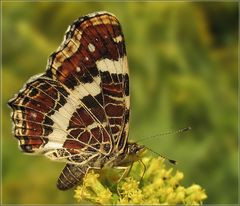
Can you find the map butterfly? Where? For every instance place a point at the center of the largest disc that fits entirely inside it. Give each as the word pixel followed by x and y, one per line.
pixel 78 110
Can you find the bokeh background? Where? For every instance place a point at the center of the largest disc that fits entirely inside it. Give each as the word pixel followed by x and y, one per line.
pixel 183 60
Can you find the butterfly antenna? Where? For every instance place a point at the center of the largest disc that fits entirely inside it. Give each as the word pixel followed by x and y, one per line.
pixel 174 162
pixel 167 133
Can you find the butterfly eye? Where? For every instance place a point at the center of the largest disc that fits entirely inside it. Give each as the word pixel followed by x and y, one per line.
pixel 96 40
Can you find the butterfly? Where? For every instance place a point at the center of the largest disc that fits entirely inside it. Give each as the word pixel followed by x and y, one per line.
pixel 77 111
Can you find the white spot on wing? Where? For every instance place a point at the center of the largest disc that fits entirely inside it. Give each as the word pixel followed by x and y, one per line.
pixel 78 69
pixel 91 47
pixel 118 39
pixel 33 115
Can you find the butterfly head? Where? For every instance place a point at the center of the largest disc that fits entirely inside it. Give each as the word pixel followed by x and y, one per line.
pixel 133 153
pixel 133 149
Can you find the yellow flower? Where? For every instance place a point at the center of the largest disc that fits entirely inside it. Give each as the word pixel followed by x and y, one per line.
pixel 93 190
pixel 159 185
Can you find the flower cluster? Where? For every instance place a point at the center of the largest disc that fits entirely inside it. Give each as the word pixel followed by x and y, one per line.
pixel 158 185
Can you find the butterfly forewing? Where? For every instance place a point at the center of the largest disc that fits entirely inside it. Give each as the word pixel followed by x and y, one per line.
pixel 93 61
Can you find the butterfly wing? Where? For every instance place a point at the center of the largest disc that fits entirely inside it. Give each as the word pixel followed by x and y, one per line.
pixel 78 110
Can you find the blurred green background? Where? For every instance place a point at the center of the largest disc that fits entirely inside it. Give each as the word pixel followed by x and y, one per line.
pixel 183 70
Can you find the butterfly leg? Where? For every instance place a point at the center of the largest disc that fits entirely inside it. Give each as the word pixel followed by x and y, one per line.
pixel 144 169
pixel 119 180
pixel 125 172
